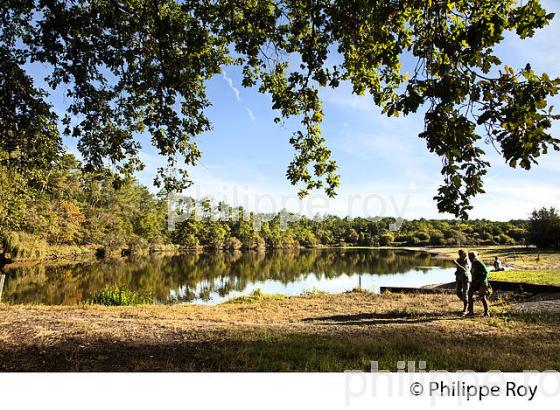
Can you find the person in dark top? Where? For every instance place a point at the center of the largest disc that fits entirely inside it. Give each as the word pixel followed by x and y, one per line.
pixel 479 284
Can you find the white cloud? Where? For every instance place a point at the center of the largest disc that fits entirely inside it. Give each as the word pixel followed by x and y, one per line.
pixel 251 115
pixel 231 86
pixel 238 95
pixel 514 198
pixel 343 97
pixel 365 146
pixel 550 162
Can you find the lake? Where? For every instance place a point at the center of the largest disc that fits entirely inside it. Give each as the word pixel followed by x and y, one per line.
pixel 210 278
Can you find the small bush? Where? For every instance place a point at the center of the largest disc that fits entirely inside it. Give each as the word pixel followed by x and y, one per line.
pixel 386 239
pixel 360 290
pixel 120 297
pixel 424 237
pixel 503 239
pixel 313 292
pixel 254 242
pixel 137 244
pixel 232 244
pixel 255 296
pixel 437 238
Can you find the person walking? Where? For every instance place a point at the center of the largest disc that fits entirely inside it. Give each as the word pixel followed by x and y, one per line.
pixel 463 278
pixel 479 284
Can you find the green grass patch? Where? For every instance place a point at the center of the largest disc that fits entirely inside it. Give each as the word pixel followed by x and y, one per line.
pixel 360 290
pixel 536 276
pixel 314 292
pixel 255 296
pixel 120 297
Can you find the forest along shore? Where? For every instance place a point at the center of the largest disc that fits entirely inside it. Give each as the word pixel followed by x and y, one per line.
pixel 77 212
pixel 316 332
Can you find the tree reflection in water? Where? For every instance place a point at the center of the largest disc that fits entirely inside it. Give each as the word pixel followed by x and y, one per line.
pixel 202 276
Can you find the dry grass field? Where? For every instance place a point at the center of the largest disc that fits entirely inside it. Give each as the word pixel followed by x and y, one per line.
pixel 315 332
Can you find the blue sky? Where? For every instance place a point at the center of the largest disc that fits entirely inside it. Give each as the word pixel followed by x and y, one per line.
pixel 385 168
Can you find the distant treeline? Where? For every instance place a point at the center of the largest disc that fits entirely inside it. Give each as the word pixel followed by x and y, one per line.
pixel 69 206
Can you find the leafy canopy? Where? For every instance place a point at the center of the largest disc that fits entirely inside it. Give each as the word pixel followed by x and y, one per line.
pixel 140 66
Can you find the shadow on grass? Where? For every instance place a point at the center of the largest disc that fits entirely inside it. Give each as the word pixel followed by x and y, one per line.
pixel 293 351
pixel 392 317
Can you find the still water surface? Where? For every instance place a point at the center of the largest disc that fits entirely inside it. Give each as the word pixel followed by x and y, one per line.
pixel 209 278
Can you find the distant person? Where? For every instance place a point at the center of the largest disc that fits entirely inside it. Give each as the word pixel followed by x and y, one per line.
pixel 479 284
pixel 463 278
pixel 498 265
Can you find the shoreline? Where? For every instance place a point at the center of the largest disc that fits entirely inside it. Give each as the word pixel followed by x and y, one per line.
pixel 89 251
pixel 91 255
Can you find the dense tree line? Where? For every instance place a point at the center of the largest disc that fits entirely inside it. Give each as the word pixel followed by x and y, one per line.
pixel 69 206
pixel 456 232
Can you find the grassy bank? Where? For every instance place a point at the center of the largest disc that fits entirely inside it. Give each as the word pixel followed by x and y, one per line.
pixel 524 264
pixel 316 332
pixel 536 276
